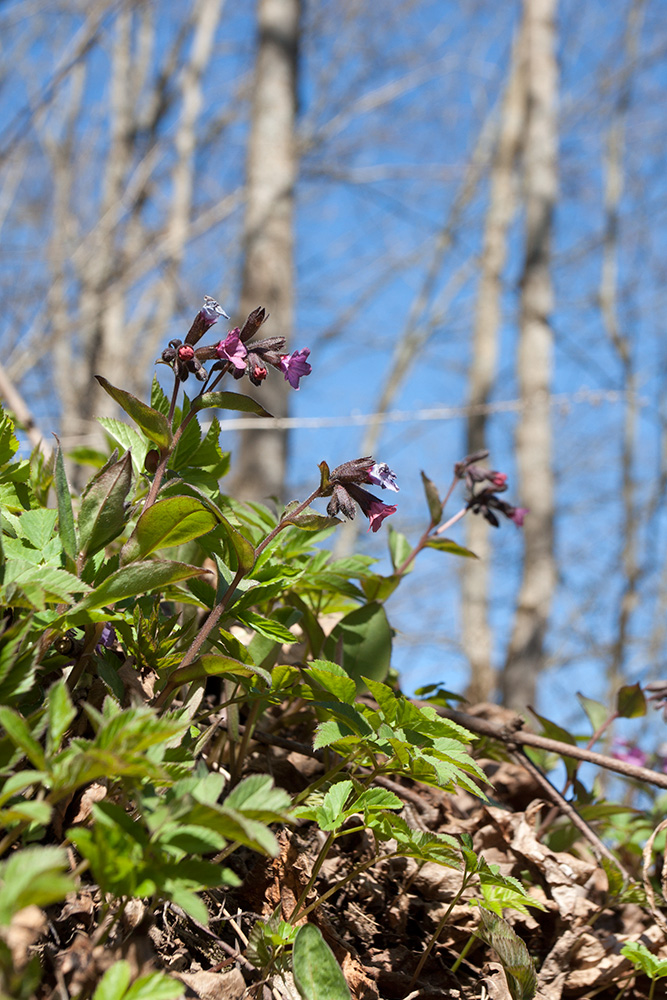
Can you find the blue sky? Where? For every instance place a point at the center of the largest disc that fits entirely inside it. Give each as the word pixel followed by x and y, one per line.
pixel 371 199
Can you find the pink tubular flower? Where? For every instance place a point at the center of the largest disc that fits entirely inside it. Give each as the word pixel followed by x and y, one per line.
pixel 295 366
pixel 232 349
pixel 498 479
pixel 376 513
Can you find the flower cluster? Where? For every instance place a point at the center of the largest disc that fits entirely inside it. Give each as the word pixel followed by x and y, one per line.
pixel 482 486
pixel 343 485
pixel 232 353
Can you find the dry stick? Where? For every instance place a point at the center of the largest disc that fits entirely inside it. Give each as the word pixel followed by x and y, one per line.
pixel 599 847
pixel 648 888
pixel 518 738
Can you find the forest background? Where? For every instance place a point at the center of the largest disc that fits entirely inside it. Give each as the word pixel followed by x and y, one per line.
pixel 458 208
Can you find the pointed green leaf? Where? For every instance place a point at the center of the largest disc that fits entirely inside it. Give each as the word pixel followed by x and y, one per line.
pixel 317 974
pixel 102 516
pixel 213 665
pixel 447 545
pixel 129 439
pixel 432 499
pixel 153 423
pixel 168 522
pixel 597 712
pixel 66 528
pixel 136 579
pixel 229 401
pixel 60 713
pixel 399 548
pixel 267 627
pixel 114 982
pixel 18 731
pixel 631 703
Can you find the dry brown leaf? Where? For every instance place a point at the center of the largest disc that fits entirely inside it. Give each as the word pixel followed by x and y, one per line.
pixel 214 985
pixel 95 792
pixel 25 928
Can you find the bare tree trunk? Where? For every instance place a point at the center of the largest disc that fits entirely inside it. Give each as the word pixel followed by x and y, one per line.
pixel 477 637
pixel 268 267
pixel 622 344
pixel 526 654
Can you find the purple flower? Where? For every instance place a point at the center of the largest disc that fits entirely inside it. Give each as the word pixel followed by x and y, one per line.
pixel 344 496
pixel 382 475
pixel 518 515
pixel 295 366
pixel 232 349
pixel 376 513
pixel 626 751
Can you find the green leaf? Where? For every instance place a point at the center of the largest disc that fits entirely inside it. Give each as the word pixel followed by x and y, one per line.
pixel 153 423
pixel 40 585
pixel 168 522
pixel 365 637
pixel 60 713
pixel 513 954
pixel 257 798
pixel 134 580
pixel 102 516
pixel 157 985
pixel 330 815
pixel 597 712
pixel 447 545
pixel 114 982
pixel 642 958
pixel 36 526
pixel 317 974
pixel 308 520
pixel 214 665
pixel 34 876
pixel 630 702
pixel 18 731
pixel 229 401
pixel 432 499
pixel 399 548
pixel 267 627
pixel 333 679
pixel 129 439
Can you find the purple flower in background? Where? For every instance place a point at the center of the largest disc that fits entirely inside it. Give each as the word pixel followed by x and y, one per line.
pixel 107 638
pixel 627 751
pixel 382 475
pixel 295 366
pixel 518 516
pixel 232 349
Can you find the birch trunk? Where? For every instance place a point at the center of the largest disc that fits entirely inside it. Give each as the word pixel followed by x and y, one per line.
pixel 268 267
pixel 526 652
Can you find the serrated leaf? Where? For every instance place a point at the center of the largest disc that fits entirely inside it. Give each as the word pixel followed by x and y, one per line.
pixel 454 549
pixel 317 974
pixel 33 876
pixel 643 959
pixel 153 423
pixel 172 521
pixel 102 516
pixel 631 702
pixel 258 798
pixel 333 679
pixel 513 954
pixel 267 627
pixel 330 815
pixel 129 439
pixel 432 499
pixel 229 401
